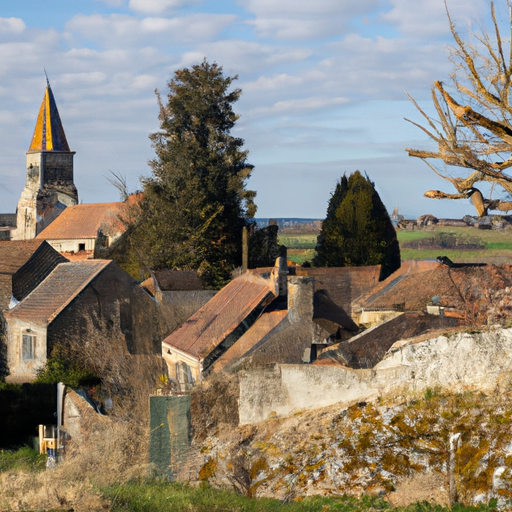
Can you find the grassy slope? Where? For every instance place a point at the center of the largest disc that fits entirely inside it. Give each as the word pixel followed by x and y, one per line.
pixel 157 496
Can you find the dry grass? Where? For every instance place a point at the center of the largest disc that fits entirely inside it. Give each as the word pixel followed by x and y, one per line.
pixel 113 449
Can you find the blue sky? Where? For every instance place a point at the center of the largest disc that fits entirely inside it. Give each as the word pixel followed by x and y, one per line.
pixel 323 89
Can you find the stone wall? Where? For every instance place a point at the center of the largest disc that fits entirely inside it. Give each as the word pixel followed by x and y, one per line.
pixel 462 361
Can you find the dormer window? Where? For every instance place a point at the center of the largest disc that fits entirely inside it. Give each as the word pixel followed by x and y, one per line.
pixel 28 347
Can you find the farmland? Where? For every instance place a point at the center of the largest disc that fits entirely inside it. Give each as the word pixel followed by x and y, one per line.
pixel 465 245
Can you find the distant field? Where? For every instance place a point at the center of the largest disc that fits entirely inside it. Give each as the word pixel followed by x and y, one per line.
pixel 497 245
pixel 307 241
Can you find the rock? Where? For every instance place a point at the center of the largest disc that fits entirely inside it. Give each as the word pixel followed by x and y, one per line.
pixel 426 220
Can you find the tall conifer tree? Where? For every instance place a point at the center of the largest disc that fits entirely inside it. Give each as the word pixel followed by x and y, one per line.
pixel 195 201
pixel 357 230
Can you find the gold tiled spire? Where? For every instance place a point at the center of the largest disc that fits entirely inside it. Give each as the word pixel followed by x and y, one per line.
pixel 49 134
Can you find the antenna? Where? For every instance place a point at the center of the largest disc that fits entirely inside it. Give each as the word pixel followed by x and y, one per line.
pixel 46 75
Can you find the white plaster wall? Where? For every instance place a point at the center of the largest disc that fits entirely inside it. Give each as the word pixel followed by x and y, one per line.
pixel 19 370
pixel 72 244
pixel 463 361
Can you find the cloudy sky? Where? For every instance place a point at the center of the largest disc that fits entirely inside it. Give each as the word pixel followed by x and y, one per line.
pixel 323 89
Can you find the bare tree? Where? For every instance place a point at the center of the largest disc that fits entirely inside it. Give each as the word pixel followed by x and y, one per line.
pixel 473 128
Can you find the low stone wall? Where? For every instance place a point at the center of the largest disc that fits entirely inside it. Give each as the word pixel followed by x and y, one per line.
pixel 462 361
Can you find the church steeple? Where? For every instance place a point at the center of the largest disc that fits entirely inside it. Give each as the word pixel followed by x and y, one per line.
pixel 49 186
pixel 48 134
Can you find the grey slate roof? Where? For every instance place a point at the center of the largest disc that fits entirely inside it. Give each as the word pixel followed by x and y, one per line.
pixel 65 282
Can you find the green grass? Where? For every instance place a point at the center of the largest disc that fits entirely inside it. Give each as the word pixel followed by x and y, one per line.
pixel 497 245
pixel 24 459
pixel 159 496
pixel 298 241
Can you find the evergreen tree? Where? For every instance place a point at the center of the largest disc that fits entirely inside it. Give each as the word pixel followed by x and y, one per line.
pixel 264 247
pixel 195 202
pixel 357 230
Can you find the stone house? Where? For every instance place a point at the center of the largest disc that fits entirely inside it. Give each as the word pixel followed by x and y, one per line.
pixel 79 300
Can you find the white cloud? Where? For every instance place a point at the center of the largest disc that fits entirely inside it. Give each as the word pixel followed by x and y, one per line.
pixel 112 3
pixel 157 6
pixel 298 106
pixel 11 26
pixel 428 18
pixel 246 57
pixel 120 30
pixel 298 20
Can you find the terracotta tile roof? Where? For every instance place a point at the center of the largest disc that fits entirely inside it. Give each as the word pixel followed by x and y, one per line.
pixel 209 326
pixel 15 253
pixel 84 221
pixel 65 282
pixel 458 288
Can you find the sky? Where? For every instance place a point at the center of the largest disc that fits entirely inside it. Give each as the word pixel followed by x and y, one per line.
pixel 323 84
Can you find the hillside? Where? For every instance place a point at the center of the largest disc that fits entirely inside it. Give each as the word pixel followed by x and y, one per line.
pixel 397 447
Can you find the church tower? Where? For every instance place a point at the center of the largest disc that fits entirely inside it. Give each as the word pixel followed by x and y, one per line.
pixel 49 186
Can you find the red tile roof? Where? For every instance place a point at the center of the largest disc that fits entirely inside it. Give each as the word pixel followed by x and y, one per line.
pixel 84 221
pixel 209 326
pixel 15 253
pixel 65 282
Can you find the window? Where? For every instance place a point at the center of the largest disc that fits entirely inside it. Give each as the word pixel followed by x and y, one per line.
pixel 81 247
pixel 28 347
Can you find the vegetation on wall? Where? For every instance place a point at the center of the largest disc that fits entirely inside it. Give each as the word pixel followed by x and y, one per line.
pixel 357 230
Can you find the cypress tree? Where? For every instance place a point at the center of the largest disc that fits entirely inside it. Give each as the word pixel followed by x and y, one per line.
pixel 195 203
pixel 357 230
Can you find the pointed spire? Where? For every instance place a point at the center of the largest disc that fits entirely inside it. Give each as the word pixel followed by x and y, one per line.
pixel 49 134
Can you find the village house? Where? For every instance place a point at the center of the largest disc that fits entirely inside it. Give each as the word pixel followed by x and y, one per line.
pixel 261 316
pixel 77 302
pixel 82 229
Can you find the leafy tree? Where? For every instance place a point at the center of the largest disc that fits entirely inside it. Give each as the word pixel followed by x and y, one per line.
pixel 195 203
pixel 473 127
pixel 357 230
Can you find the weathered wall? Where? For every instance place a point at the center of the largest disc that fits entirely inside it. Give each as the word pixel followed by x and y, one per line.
pixel 20 370
pixel 72 245
pixel 112 295
pixel 5 291
pixel 463 361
